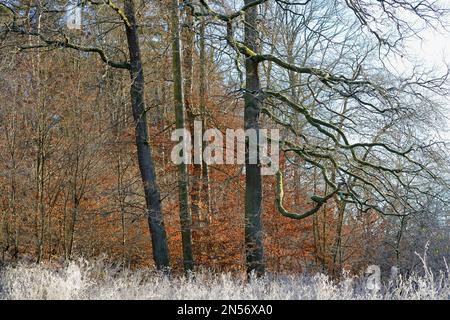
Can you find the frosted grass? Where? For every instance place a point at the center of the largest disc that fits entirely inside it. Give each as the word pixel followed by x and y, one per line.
pixel 82 279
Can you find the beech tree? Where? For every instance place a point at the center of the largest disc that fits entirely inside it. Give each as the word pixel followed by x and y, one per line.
pixel 87 112
pixel 362 173
pixel 47 34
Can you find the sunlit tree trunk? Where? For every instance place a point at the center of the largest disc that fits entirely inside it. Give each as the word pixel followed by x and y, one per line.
pixel 185 215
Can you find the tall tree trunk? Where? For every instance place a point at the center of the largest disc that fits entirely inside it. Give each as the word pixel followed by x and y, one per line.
pixel 337 248
pixel 188 63
pixel 253 181
pixel 202 92
pixel 41 145
pixel 185 216
pixel 146 164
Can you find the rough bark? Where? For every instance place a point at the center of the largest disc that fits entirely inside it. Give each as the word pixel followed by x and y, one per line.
pixel 145 159
pixel 253 181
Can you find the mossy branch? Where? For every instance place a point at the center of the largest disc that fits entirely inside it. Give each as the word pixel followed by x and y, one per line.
pixel 67 44
pixel 119 11
pixel 224 17
pixel 320 201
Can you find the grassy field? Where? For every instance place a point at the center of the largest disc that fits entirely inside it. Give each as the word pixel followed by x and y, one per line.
pixel 97 280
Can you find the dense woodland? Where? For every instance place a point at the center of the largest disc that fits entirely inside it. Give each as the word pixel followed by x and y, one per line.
pixel 86 117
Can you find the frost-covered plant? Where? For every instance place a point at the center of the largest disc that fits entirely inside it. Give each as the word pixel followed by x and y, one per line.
pixel 81 279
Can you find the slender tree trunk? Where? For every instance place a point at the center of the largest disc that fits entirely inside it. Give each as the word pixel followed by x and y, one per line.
pixel 40 175
pixel 146 163
pixel 75 204
pixel 185 216
pixel 202 93
pixel 197 207
pixel 324 234
pixel 122 198
pixel 316 231
pixel 253 180
pixel 41 146
pixel 11 135
pixel 399 239
pixel 188 63
pixel 337 254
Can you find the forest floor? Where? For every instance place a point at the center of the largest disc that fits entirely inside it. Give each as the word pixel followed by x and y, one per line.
pixel 81 279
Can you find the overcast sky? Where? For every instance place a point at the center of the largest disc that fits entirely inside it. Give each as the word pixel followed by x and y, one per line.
pixel 432 51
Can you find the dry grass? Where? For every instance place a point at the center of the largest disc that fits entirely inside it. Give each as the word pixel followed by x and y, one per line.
pixel 82 279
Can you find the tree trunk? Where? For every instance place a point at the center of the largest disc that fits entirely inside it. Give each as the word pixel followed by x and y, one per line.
pixel 202 92
pixel 337 249
pixel 185 216
pixel 146 164
pixel 188 46
pixel 253 182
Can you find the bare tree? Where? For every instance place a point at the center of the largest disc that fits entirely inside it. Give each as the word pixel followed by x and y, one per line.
pixel 47 37
pixel 354 170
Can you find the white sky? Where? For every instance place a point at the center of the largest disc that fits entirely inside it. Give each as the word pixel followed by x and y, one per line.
pixel 432 52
